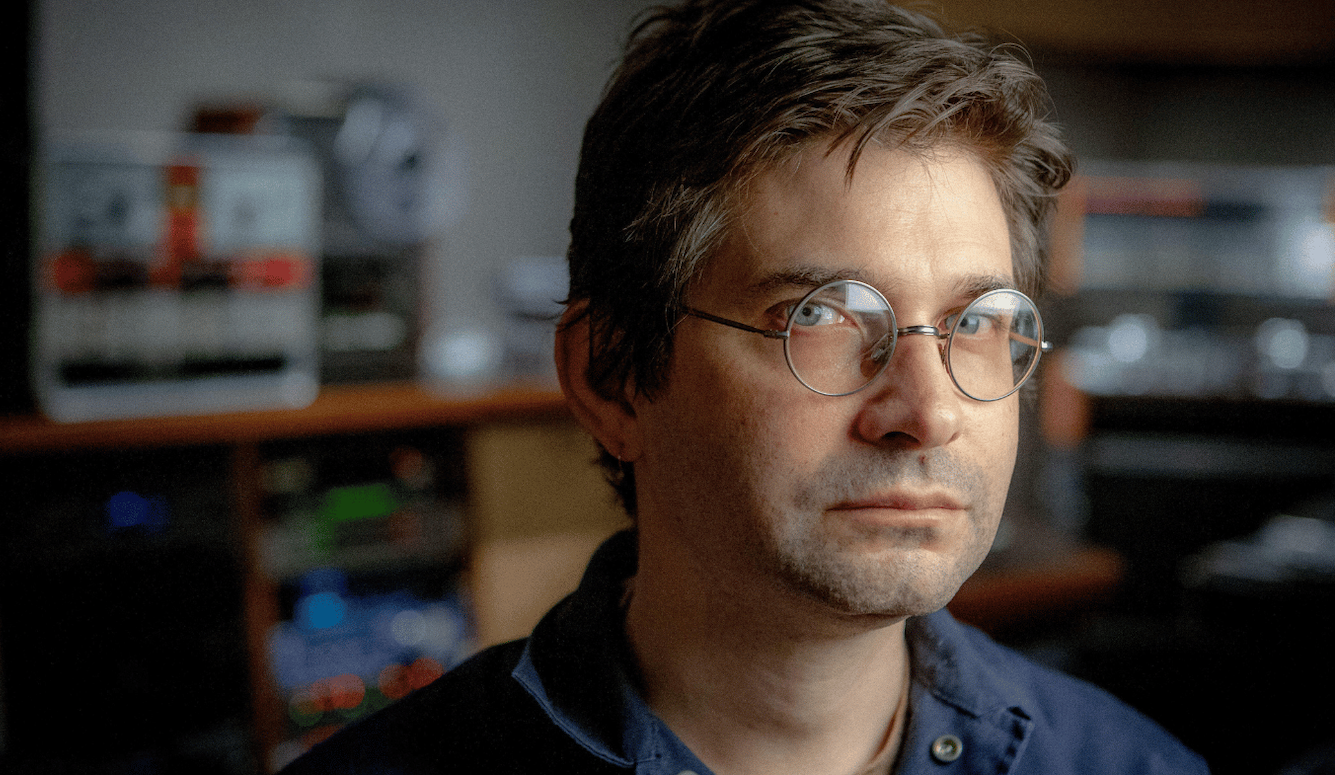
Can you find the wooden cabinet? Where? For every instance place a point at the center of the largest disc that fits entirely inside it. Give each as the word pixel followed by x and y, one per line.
pixel 531 506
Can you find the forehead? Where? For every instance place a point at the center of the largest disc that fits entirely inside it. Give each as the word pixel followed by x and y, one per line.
pixel 903 221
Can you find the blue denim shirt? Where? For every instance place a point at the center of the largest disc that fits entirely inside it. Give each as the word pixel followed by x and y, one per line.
pixel 562 701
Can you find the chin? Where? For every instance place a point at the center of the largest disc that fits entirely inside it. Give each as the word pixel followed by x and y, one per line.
pixel 896 589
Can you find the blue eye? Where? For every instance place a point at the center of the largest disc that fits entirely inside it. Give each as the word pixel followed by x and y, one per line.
pixel 973 324
pixel 815 314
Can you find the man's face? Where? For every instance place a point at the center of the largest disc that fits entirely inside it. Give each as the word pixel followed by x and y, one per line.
pixel 881 502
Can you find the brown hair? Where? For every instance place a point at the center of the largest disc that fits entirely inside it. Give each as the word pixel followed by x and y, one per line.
pixel 710 92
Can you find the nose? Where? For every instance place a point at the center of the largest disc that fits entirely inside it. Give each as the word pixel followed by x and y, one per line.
pixel 913 404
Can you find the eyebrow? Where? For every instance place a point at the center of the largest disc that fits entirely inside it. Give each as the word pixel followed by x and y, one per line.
pixel 811 276
pixel 804 276
pixel 975 285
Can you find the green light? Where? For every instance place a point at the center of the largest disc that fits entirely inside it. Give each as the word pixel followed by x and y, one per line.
pixel 366 501
pixel 350 504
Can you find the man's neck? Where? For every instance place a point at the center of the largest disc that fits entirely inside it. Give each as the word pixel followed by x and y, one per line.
pixel 754 688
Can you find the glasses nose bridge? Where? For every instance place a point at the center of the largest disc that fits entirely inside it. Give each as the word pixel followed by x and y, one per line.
pixel 921 331
pixel 940 338
pixel 935 332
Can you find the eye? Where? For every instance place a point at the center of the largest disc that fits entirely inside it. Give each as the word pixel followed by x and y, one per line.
pixel 972 323
pixel 814 313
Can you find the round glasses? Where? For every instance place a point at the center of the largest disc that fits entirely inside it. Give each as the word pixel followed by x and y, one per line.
pixel 840 337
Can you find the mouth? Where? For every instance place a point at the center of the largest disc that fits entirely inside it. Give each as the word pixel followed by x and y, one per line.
pixel 901 508
pixel 902 501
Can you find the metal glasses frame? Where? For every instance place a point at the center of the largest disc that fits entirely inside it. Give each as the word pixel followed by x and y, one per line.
pixel 785 334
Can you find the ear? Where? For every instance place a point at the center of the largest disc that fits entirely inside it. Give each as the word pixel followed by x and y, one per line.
pixel 611 421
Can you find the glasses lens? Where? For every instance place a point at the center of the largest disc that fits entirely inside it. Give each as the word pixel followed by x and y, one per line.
pixel 994 345
pixel 840 337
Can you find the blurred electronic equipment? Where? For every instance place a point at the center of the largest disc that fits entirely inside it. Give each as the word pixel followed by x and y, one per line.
pixel 1244 230
pixel 390 184
pixel 363 537
pixel 175 274
pixel 1190 344
pixel 345 654
pixel 1205 281
pixel 1202 339
pixel 529 292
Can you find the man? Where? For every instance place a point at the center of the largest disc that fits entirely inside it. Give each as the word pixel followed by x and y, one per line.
pixel 798 323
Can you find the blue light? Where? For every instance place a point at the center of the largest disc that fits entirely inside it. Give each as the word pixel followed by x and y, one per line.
pixel 126 510
pixel 321 610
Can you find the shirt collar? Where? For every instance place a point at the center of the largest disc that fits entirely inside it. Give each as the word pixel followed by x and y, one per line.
pixel 576 666
pixel 572 663
pixel 947 663
pixel 959 692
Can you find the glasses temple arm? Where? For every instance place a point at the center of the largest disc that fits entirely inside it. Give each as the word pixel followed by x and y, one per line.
pixel 769 333
pixel 1045 345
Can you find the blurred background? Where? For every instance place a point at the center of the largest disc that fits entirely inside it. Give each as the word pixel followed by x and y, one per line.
pixel 281 438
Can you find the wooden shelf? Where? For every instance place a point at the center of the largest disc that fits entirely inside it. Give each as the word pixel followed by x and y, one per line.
pixel 339 409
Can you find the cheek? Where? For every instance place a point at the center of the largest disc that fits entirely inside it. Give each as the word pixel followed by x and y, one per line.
pixel 1008 439
pixel 772 425
pixel 738 438
pixel 998 442
pixel 690 430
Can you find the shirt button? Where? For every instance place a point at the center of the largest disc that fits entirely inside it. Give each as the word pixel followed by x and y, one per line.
pixel 947 748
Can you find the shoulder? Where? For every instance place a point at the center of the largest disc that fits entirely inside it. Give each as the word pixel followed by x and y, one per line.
pixel 1084 725
pixel 1074 726
pixel 474 719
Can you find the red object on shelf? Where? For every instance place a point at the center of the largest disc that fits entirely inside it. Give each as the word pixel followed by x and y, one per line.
pixel 184 226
